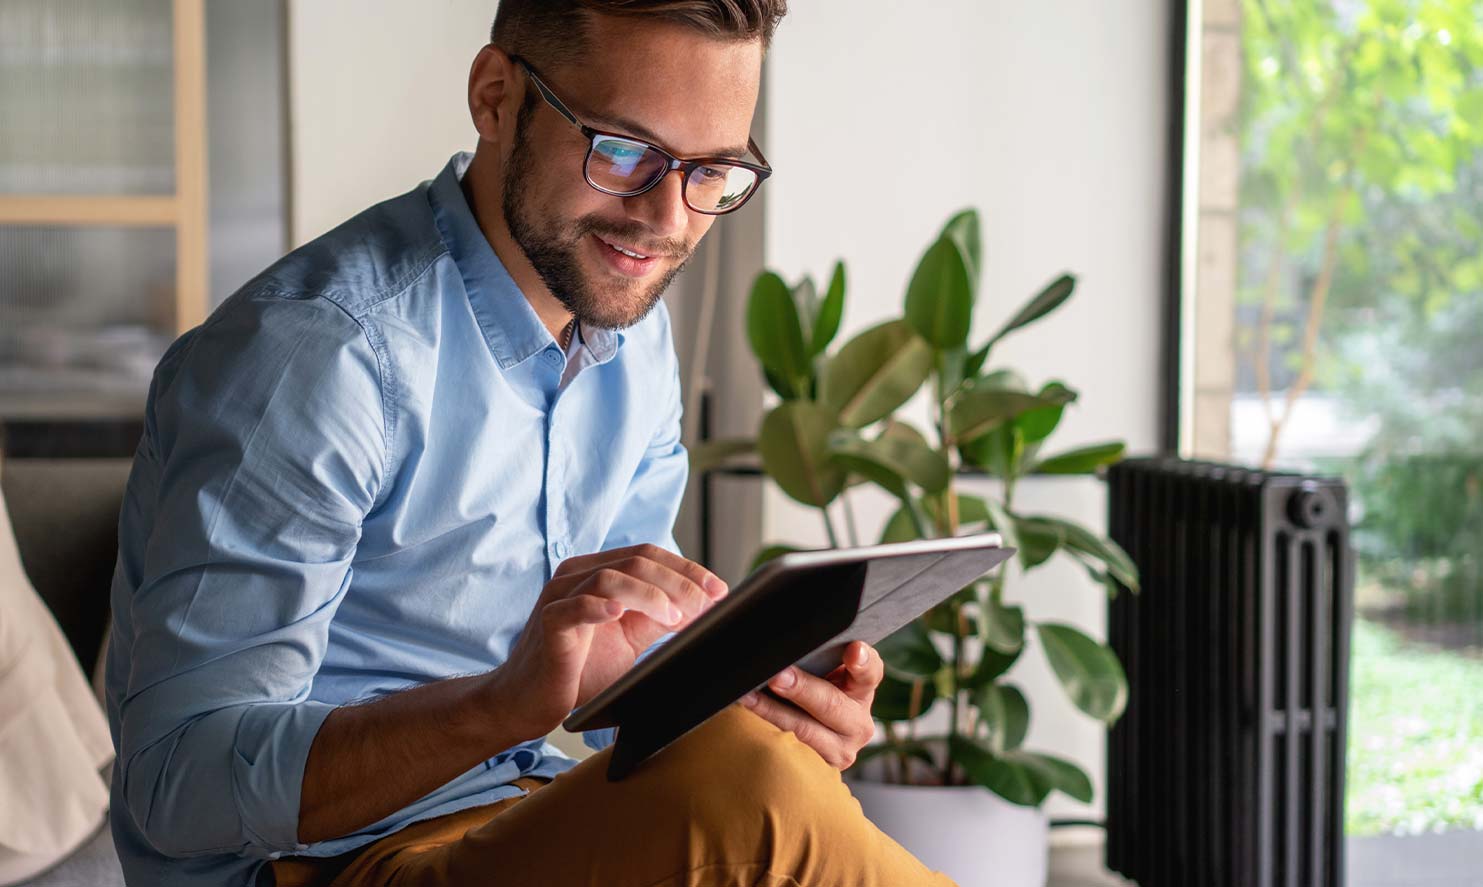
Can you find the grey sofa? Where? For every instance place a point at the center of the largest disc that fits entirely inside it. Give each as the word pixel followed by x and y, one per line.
pixel 65 514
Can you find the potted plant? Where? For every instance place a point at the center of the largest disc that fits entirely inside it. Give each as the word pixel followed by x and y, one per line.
pixel 966 800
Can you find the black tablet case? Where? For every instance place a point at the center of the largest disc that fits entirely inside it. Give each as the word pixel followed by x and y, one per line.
pixel 819 603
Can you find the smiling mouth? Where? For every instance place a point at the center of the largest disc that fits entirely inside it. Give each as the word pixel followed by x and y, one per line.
pixel 626 251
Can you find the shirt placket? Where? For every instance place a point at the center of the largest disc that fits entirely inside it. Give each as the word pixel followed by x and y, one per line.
pixel 558 462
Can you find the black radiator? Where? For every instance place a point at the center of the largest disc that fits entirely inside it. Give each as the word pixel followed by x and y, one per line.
pixel 1227 769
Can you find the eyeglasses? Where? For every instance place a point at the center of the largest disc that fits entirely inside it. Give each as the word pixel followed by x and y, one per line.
pixel 627 167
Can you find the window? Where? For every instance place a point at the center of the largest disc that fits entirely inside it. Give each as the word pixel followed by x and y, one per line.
pixel 1332 321
pixel 116 234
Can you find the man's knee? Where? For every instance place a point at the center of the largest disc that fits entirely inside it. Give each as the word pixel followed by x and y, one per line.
pixel 738 763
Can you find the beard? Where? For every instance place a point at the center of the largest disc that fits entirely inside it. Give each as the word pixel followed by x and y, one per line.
pixel 553 248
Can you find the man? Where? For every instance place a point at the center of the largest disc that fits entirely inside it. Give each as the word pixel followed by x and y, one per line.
pixel 407 499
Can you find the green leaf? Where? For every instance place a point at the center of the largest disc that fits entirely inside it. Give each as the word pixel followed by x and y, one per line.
pixel 1044 302
pixel 1055 772
pixel 1003 628
pixel 1011 781
pixel 1038 540
pixel 963 229
pixel 900 528
pixel 997 452
pixel 978 411
pixel 939 301
pixel 769 552
pixel 1020 777
pixel 940 617
pixel 876 372
pixel 894 698
pixel 971 510
pixel 806 300
pixel 908 652
pixel 826 325
pixel 782 387
pixel 794 444
pixel 709 454
pixel 891 461
pixel 775 333
pixel 950 363
pixel 912 748
pixel 1037 424
pixel 1007 714
pixel 1082 460
pixel 1084 542
pixel 1089 672
pixel 1002 378
pixel 974 362
pixel 991 666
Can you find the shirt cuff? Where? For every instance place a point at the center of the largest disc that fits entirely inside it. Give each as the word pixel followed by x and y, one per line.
pixel 268 764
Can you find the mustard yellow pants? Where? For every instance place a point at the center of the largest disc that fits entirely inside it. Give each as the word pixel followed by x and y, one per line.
pixel 734 803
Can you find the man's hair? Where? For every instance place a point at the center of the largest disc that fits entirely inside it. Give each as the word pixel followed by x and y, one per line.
pixel 554 32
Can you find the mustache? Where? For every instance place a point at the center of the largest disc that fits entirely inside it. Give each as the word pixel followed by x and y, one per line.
pixel 636 237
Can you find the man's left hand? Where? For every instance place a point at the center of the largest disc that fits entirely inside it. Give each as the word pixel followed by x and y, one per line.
pixel 830 713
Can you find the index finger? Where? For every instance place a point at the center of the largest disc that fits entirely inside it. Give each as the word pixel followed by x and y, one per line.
pixel 690 569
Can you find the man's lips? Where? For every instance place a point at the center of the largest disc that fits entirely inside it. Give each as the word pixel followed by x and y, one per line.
pixel 625 259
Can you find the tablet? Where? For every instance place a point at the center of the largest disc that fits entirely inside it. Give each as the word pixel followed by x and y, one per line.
pixel 800 608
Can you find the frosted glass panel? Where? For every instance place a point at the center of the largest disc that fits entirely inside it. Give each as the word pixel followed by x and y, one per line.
pixel 86 97
pixel 84 316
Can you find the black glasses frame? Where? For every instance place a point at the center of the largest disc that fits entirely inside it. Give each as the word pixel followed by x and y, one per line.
pixel 687 165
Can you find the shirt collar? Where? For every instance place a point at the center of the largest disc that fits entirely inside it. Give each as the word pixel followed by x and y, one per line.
pixel 511 326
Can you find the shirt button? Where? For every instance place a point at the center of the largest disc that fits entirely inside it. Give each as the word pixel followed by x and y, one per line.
pixel 559 549
pixel 552 356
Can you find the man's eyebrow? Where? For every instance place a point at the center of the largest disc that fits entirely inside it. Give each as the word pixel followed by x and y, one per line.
pixel 643 132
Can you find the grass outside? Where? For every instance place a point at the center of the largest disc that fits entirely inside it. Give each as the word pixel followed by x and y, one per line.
pixel 1415 736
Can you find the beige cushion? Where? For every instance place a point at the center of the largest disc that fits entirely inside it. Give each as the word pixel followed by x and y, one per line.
pixel 53 735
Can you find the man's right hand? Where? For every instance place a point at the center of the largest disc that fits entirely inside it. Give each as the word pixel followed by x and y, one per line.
pixel 591 621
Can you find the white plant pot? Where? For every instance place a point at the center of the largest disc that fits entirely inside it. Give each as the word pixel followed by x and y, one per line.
pixel 968 833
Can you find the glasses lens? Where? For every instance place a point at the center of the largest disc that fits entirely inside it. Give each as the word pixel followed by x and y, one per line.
pixel 718 187
pixel 621 166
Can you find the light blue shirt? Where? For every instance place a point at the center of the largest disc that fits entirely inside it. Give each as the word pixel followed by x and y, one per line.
pixel 355 477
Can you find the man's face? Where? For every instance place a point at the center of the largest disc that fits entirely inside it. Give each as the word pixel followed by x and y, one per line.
pixel 664 84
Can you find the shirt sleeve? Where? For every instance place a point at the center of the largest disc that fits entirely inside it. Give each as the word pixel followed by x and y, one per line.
pixel 266 432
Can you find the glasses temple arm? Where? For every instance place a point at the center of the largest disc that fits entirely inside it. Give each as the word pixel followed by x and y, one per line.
pixel 757 152
pixel 548 95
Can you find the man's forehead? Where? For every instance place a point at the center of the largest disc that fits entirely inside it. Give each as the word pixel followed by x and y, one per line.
pixel 689 93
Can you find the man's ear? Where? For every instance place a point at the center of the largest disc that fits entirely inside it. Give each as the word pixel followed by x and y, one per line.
pixel 494 91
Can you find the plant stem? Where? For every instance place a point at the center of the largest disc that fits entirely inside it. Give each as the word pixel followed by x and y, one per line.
pixel 829 527
pixel 902 758
pixel 849 517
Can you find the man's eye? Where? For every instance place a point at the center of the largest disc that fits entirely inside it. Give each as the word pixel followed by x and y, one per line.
pixel 712 173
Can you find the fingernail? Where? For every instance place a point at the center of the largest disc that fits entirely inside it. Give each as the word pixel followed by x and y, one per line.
pixel 715 587
pixel 675 614
pixel 785 679
pixel 749 700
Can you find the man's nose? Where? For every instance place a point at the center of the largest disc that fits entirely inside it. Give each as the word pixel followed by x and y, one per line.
pixel 662 208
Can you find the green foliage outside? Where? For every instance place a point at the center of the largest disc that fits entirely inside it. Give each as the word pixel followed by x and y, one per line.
pixel 835 429
pixel 1362 276
pixel 1415 737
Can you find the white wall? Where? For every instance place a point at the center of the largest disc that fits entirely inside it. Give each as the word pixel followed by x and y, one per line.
pixel 376 99
pixel 1049 117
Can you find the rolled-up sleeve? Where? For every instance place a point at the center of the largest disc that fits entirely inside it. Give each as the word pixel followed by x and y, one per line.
pixel 268 434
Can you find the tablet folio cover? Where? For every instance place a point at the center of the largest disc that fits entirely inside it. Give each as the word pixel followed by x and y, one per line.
pixel 842 602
